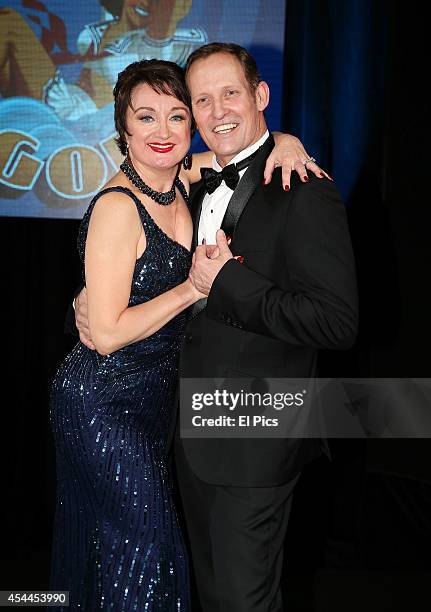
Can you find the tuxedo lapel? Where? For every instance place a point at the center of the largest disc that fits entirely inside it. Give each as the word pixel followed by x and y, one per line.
pixel 252 178
pixel 197 196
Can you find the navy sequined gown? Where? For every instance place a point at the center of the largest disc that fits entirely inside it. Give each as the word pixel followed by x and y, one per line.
pixel 117 543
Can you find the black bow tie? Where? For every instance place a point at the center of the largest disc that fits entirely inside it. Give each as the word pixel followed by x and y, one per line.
pixel 229 174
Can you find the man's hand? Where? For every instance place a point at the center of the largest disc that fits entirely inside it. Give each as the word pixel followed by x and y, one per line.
pixel 290 155
pixel 208 261
pixel 81 319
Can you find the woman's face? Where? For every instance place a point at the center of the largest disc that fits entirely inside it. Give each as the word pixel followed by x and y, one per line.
pixel 159 128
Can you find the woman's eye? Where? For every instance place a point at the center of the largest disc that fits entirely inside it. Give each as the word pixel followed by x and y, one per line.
pixel 178 118
pixel 146 118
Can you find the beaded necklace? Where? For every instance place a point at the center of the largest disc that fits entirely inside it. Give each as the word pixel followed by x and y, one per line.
pixel 162 198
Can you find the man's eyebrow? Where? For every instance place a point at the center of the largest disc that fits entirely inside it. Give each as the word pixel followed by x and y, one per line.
pixel 201 94
pixel 227 86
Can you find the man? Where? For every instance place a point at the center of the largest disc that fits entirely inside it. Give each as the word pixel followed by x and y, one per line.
pixel 293 293
pixel 266 317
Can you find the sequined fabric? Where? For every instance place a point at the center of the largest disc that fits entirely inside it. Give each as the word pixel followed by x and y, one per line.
pixel 117 544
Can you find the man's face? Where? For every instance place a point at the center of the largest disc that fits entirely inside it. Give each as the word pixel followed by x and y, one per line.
pixel 229 117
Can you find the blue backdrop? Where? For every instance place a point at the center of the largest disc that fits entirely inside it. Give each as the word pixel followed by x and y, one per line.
pixel 56 111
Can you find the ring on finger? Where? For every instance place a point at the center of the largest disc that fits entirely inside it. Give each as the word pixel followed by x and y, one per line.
pixel 307 161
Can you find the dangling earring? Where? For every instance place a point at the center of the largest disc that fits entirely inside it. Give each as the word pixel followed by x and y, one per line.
pixel 187 162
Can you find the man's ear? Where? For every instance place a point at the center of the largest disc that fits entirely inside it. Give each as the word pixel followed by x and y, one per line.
pixel 262 95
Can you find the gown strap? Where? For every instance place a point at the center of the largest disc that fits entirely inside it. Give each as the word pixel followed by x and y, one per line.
pixel 183 191
pixel 147 221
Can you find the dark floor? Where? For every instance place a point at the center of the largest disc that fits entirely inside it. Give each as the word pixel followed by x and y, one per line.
pixel 357 540
pixel 319 591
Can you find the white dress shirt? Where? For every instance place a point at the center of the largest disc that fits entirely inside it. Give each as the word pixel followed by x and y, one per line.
pixel 214 205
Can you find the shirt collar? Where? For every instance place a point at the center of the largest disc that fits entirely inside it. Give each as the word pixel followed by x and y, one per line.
pixel 244 153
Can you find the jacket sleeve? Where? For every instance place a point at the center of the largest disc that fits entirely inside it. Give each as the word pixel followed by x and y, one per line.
pixel 320 308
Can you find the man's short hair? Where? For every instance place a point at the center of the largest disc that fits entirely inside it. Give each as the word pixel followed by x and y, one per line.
pixel 246 60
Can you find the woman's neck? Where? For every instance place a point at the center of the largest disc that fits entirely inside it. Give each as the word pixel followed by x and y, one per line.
pixel 159 179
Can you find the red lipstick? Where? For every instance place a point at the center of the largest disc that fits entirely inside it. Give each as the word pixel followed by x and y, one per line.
pixel 161 147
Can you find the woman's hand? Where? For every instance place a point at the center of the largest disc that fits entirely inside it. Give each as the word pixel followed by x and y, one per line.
pixel 290 154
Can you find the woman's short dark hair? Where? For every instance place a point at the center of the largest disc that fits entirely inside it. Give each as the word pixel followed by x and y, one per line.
pixel 247 61
pixel 162 76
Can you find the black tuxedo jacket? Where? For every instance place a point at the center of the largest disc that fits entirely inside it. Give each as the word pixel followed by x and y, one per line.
pixel 294 293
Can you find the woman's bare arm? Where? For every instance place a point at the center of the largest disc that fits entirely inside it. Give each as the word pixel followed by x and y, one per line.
pixel 289 153
pixel 110 258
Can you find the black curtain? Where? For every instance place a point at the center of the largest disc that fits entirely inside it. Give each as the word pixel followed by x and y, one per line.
pixel 353 93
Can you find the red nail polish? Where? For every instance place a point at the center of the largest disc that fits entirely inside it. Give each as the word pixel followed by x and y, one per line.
pixel 240 258
pixel 321 174
pixel 286 188
pixel 306 179
pixel 228 237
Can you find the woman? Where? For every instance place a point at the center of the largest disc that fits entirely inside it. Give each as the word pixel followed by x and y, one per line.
pixel 117 541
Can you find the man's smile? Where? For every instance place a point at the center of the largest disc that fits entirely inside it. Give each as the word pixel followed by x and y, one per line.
pixel 225 128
